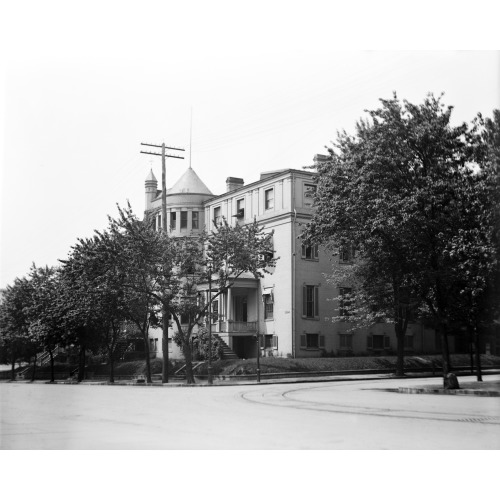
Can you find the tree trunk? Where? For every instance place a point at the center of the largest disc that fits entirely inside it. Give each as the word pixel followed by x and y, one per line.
pixel 52 377
pixel 471 349
pixel 164 345
pixel 148 361
pixel 81 364
pixel 34 369
pixel 400 338
pixel 188 357
pixel 13 369
pixel 478 355
pixel 112 369
pixel 443 332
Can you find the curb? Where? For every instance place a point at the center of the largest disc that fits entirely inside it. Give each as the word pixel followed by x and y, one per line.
pixel 452 392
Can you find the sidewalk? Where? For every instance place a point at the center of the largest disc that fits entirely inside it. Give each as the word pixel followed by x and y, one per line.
pixel 490 388
pixel 486 388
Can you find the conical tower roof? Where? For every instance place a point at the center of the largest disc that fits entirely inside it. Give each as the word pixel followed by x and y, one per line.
pixel 151 177
pixel 189 183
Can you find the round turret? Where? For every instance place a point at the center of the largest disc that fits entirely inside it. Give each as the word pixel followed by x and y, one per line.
pixel 185 203
pixel 151 185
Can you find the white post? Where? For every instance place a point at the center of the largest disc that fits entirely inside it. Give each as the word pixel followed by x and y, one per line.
pixel 229 315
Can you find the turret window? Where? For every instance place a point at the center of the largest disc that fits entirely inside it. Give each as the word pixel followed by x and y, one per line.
pixel 184 220
pixel 173 220
pixel 195 220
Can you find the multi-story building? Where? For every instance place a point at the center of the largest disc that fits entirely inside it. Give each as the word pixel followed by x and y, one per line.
pixel 292 306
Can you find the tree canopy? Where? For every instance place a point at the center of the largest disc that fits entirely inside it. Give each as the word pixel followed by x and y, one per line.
pixel 407 192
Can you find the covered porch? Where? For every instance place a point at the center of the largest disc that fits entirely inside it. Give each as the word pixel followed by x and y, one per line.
pixel 235 315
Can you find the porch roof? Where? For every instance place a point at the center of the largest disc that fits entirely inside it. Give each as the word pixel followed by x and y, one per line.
pixel 246 280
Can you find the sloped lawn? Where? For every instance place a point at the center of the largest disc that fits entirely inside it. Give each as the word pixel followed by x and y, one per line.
pixel 283 365
pixel 276 365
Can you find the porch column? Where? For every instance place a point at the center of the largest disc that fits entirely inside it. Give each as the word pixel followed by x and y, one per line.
pixel 222 301
pixel 229 315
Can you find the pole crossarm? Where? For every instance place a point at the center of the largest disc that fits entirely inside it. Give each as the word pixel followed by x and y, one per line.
pixel 159 154
pixel 159 146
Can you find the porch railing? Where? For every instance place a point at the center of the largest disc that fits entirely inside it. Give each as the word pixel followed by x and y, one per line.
pixel 236 326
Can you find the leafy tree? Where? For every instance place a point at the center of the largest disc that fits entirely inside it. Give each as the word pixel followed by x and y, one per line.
pixel 173 272
pixel 393 190
pixel 98 282
pixel 475 249
pixel 14 321
pixel 143 261
pixel 81 304
pixel 46 322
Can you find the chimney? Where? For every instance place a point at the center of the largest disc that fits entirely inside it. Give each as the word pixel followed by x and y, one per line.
pixel 233 183
pixel 320 158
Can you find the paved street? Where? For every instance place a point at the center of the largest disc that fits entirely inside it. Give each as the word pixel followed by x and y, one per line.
pixel 325 415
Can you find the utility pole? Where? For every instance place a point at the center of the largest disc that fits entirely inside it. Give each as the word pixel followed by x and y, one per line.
pixel 164 310
pixel 210 377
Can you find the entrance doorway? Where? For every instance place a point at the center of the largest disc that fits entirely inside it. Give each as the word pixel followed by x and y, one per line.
pixel 245 346
pixel 240 308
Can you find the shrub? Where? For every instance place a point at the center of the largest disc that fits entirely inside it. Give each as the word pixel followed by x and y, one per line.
pixel 200 346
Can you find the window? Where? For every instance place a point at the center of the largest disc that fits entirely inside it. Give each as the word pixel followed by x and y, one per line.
pixel 215 311
pixel 159 226
pixel 268 256
pixel 217 218
pixel 344 301
pixel 378 342
pixel 345 341
pixel 268 306
pixel 269 199
pixel 312 341
pixel 309 193
pixel 153 345
pixel 153 222
pixel 269 341
pixel 184 319
pixel 173 220
pixel 195 220
pixel 346 255
pixel 184 220
pixel 310 252
pixel 310 301
pixel 240 208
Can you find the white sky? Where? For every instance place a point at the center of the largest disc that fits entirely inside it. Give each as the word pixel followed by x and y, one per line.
pixel 268 83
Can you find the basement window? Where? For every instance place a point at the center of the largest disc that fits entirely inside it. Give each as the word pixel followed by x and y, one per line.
pixel 312 341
